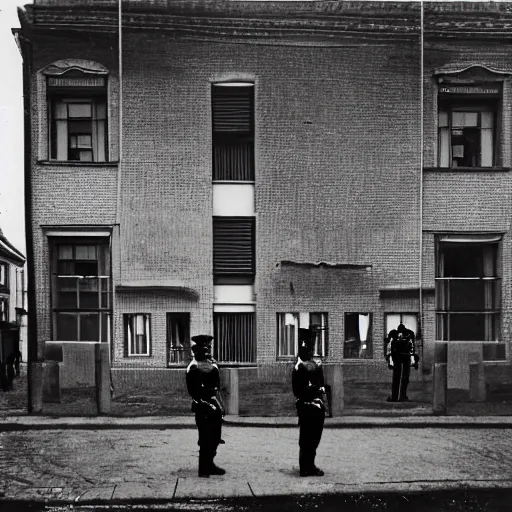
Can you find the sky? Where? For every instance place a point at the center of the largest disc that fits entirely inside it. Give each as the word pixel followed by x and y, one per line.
pixel 12 217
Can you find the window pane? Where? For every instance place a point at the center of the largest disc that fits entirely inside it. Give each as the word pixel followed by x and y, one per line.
pixel 358 341
pixel 67 327
pixel 84 141
pixel 392 322
pixel 65 252
pixel 235 337
pixel 467 327
pixel 66 292
pixel 79 110
pixel 178 338
pixel 85 156
pixel 89 327
pixel 487 147
pixel 86 252
pixel 443 119
pixel 458 119
pixel 88 293
pixel 444 147
pixel 487 119
pixel 411 322
pixel 494 352
pixel 470 119
pixel 60 110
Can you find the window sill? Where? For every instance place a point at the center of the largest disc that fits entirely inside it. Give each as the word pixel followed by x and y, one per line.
pixel 66 163
pixel 466 169
pixel 233 182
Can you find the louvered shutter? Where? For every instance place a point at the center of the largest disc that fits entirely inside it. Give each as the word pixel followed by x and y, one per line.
pixel 233 132
pixel 233 246
pixel 232 109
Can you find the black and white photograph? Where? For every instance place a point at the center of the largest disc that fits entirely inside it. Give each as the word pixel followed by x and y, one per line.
pixel 255 255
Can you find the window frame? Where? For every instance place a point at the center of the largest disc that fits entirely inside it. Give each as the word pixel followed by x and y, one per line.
pixel 279 353
pixel 92 95
pixel 4 275
pixel 322 333
pixel 443 311
pixel 402 313
pixel 470 102
pixel 250 351
pixel 132 317
pixel 233 276
pixel 369 337
pixel 104 313
pixel 233 137
pixel 182 356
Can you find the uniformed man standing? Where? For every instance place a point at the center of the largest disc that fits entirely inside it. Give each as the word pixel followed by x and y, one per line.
pixel 401 354
pixel 203 383
pixel 308 388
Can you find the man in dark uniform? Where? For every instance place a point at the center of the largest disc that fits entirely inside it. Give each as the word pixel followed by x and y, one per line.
pixel 308 388
pixel 203 383
pixel 400 353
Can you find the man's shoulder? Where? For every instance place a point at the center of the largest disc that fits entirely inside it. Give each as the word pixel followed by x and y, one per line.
pixel 192 366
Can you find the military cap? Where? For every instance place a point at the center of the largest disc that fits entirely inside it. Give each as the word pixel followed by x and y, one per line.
pixel 202 339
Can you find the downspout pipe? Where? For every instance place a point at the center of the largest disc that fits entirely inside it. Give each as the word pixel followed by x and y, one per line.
pixel 33 406
pixel 420 273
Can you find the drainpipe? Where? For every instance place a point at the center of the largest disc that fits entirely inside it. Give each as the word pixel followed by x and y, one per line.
pixel 420 273
pixel 34 370
pixel 120 127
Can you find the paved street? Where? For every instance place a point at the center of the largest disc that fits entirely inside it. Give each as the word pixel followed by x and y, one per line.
pixel 151 464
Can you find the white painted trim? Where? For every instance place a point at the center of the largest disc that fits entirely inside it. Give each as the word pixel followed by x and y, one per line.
pixel 79 234
pixel 234 308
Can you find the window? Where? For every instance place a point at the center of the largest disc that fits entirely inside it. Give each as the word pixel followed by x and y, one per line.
pixel 468 292
pixel 235 340
pixel 4 275
pixel 78 118
pixel 318 322
pixel 358 336
pixel 287 334
pixel 4 310
pixel 467 126
pixel 288 325
pixel 81 298
pixel 137 334
pixel 393 320
pixel 233 250
pixel 233 131
pixel 178 338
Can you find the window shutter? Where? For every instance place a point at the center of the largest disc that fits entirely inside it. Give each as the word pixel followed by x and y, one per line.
pixel 232 109
pixel 233 246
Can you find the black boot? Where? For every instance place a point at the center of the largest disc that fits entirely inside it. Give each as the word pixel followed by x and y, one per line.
pixel 313 469
pixel 302 463
pixel 215 470
pixel 204 467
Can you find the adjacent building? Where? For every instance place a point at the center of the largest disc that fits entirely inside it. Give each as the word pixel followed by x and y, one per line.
pixel 248 168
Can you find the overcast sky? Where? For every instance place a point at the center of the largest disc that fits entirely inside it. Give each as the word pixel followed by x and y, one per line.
pixel 11 128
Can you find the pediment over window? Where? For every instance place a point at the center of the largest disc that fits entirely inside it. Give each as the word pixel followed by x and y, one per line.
pixel 470 72
pixel 74 65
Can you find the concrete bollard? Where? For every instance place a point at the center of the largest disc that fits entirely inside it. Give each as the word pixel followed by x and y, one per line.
pixel 333 374
pixel 36 378
pixel 439 388
pixel 102 372
pixel 231 395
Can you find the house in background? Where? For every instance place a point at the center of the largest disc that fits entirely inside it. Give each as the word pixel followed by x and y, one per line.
pixel 13 306
pixel 248 168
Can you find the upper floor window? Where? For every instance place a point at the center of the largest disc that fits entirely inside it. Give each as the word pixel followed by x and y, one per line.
pixel 469 116
pixel 233 131
pixel 233 250
pixel 77 111
pixel 4 309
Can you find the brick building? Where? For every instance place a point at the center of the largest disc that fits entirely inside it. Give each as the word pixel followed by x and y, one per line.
pixel 246 168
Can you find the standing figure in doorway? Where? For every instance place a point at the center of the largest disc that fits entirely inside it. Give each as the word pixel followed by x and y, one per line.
pixel 203 383
pixel 308 388
pixel 400 352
